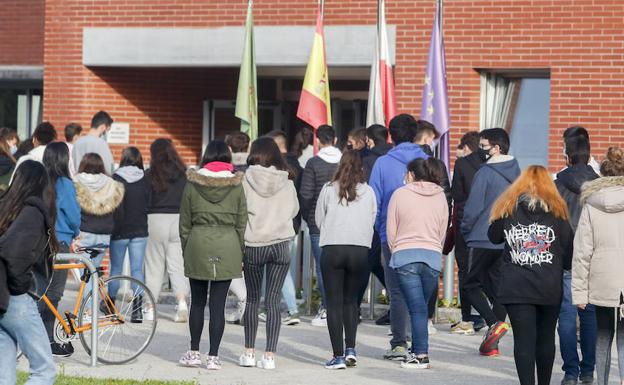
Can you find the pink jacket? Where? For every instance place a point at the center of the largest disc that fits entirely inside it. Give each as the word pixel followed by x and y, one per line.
pixel 417 217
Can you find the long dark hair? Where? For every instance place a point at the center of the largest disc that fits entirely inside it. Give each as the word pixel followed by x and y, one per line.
pixel 30 180
pixel 302 139
pixel 264 152
pixel 350 172
pixel 166 165
pixel 131 156
pixel 7 134
pixel 56 161
pixel 92 163
pixel 216 151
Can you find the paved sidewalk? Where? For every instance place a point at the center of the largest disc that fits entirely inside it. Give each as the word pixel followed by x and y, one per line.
pixel 302 350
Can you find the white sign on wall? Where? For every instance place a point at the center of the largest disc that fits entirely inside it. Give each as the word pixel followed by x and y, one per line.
pixel 119 133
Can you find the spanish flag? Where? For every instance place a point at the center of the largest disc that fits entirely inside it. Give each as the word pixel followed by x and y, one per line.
pixel 314 104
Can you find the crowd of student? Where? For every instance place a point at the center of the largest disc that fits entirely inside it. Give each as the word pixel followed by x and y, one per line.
pixel 537 250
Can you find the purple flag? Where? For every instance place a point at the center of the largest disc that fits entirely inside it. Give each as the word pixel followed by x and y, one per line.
pixel 435 101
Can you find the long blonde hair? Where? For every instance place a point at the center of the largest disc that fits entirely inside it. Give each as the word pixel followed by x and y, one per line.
pixel 535 183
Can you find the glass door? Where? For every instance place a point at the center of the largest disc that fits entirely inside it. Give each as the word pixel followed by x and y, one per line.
pixel 219 120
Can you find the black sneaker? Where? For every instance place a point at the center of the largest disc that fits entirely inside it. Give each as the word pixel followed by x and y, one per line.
pixel 137 310
pixel 384 319
pixel 106 308
pixel 416 362
pixel 478 323
pixel 62 350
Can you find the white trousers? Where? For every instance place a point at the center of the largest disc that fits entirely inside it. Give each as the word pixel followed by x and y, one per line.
pixel 164 253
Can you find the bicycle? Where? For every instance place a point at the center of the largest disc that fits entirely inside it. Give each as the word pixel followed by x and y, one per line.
pixel 123 331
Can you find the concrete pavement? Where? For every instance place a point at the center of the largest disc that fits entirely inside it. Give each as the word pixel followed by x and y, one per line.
pixel 302 350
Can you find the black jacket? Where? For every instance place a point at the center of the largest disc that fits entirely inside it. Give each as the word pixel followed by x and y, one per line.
pixel 168 201
pixel 569 182
pixel 317 172
pixel 97 208
pixel 463 173
pixel 538 247
pixel 24 250
pixel 7 165
pixel 131 215
pixel 293 163
pixel 446 184
pixel 370 156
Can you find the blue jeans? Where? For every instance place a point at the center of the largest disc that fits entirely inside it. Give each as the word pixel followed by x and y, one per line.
pixel 136 253
pixel 418 282
pixel 316 251
pixel 288 290
pixel 90 239
pixel 398 309
pixel 21 325
pixel 572 366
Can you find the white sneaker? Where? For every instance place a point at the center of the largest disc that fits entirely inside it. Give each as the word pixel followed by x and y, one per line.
pixel 148 314
pixel 247 360
pixel 320 319
pixel 212 363
pixel 181 314
pixel 266 363
pixel 192 358
pixel 431 328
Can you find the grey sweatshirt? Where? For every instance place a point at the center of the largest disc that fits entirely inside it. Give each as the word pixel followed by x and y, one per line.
pixel 90 144
pixel 343 223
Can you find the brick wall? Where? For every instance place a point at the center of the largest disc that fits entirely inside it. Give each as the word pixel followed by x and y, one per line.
pixel 580 41
pixel 21 32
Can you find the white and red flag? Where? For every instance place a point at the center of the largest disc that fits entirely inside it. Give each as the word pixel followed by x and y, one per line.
pixel 381 97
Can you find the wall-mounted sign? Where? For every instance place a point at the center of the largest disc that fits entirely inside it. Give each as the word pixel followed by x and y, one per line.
pixel 119 133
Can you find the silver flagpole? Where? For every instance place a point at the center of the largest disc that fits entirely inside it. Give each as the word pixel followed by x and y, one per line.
pixel 449 261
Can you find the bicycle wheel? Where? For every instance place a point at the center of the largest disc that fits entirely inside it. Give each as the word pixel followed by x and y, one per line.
pixel 123 332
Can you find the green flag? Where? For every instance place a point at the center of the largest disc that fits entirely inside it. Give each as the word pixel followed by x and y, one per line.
pixel 247 97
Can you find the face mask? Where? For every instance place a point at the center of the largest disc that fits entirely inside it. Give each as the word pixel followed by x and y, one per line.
pixel 484 155
pixel 13 150
pixel 349 146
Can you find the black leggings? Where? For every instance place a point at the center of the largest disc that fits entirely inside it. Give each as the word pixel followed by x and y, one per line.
pixel 344 268
pixel 55 293
pixel 216 306
pixel 534 341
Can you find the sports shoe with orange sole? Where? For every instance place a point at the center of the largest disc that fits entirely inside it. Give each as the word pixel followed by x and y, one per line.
pixel 489 346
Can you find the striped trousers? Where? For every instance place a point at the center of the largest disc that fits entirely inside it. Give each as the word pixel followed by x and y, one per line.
pixel 276 259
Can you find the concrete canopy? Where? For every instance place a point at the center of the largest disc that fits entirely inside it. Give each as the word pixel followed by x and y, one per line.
pixel 350 45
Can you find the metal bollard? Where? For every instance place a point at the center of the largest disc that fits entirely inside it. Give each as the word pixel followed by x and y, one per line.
pixel 94 298
pixel 449 276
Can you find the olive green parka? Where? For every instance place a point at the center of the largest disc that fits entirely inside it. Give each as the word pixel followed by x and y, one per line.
pixel 213 217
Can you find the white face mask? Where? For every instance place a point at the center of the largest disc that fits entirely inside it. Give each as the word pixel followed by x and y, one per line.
pixel 13 149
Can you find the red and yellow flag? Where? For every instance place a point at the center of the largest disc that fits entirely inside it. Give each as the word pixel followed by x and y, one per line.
pixel 314 104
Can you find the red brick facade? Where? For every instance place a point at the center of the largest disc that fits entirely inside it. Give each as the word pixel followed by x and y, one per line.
pixel 21 32
pixel 581 42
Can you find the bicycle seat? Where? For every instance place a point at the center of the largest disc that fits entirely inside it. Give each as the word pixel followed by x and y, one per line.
pixel 93 250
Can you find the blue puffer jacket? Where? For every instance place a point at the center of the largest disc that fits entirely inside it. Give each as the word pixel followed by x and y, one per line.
pixel 388 175
pixel 492 179
pixel 67 211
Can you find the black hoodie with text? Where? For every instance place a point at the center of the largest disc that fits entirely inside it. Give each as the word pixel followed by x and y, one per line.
pixel 538 247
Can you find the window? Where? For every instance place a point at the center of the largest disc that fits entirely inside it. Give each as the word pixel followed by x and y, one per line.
pixel 519 102
pixel 20 110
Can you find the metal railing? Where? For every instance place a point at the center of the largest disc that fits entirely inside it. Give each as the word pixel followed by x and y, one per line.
pixel 94 297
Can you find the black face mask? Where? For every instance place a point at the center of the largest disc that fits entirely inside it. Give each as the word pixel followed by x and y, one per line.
pixel 349 146
pixel 484 155
pixel 427 149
